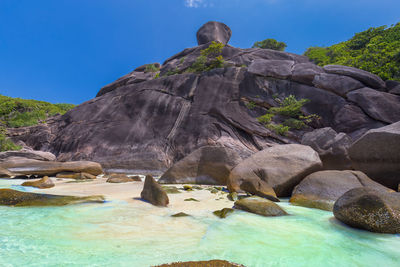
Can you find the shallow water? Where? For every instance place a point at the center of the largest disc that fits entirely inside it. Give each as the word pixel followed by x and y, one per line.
pixel 118 234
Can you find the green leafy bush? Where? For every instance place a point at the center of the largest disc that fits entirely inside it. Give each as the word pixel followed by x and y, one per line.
pixel 251 105
pixel 278 128
pixel 5 143
pixel 152 68
pixel 210 58
pixel 270 44
pixel 376 50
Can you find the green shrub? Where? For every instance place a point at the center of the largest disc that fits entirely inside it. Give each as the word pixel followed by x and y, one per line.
pixel 5 143
pixel 278 128
pixel 265 119
pixel 151 68
pixel 270 44
pixel 251 105
pixel 294 124
pixel 210 58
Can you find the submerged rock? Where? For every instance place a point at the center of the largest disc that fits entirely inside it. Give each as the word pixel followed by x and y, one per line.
pixel 43 183
pixel 153 192
pixel 9 197
pixel 260 206
pixel 321 189
pixel 225 212
pixel 369 209
pixel 180 214
pixel 211 263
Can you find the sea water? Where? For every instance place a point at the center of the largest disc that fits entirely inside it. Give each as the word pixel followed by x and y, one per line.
pixel 118 234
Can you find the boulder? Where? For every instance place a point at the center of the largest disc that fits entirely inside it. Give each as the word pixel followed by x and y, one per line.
pixel 43 183
pixel 153 192
pixel 376 154
pixel 378 105
pixel 305 73
pixel 225 212
pixel 260 206
pixel 331 147
pixel 27 154
pixel 393 87
pixel 367 78
pixel 10 197
pixel 4 173
pixel 337 84
pixel 259 188
pixel 369 209
pixel 49 168
pixel 282 167
pixel 206 165
pixel 321 189
pixel 213 31
pixel 117 178
pixel 211 263
pixel 281 69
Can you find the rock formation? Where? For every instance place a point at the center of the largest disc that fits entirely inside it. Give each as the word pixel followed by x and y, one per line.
pixel 43 183
pixel 260 206
pixel 154 193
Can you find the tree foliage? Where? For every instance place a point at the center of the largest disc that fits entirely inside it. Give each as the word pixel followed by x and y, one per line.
pixel 376 50
pixel 270 44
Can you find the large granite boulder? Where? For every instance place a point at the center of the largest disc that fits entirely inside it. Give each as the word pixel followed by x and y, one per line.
pixel 259 188
pixel 321 189
pixel 331 147
pixel 37 167
pixel 363 76
pixel 4 173
pixel 337 84
pixel 10 197
pixel 282 167
pixel 260 206
pixel 378 105
pixel 393 87
pixel 154 193
pixel 306 72
pixel 206 165
pixel 27 154
pixel 369 209
pixel 377 154
pixel 272 68
pixel 43 183
pixel 213 31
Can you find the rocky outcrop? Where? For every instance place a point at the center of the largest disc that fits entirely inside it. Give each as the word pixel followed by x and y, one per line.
pixel 281 69
pixel 338 84
pixel 260 206
pixel 76 176
pixel 282 167
pixel 27 154
pixel 4 173
pixel 9 197
pixel 393 87
pixel 369 209
pixel 259 188
pixel 331 147
pixel 377 154
pixel 321 189
pixel 117 178
pixel 154 193
pixel 43 183
pixel 213 31
pixel 206 165
pixel 36 167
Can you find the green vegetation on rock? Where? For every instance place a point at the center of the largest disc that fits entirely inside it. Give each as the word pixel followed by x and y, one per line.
pixel 210 58
pixel 5 143
pixel 270 44
pixel 376 50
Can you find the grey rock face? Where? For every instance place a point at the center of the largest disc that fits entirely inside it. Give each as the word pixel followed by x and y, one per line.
pixel 393 87
pixel 337 84
pixel 213 31
pixel 272 68
pixel 369 209
pixel 331 147
pixel 306 73
pixel 321 189
pixel 206 165
pixel 377 154
pixel 27 154
pixel 367 78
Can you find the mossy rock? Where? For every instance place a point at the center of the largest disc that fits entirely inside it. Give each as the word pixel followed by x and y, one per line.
pixel 233 196
pixel 197 187
pixel 225 212
pixel 171 189
pixel 180 214
pixel 187 188
pixel 191 199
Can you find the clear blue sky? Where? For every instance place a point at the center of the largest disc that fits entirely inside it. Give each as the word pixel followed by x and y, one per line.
pixel 66 50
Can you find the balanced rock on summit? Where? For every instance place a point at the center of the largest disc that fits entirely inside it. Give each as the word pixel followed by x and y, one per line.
pixel 213 31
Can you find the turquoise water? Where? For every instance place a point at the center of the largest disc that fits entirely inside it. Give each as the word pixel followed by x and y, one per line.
pixel 118 234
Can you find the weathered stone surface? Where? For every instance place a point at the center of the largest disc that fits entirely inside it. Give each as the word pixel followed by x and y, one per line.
pixel 331 147
pixel 321 189
pixel 369 209
pixel 378 105
pixel 117 178
pixel 9 197
pixel 305 72
pixel 377 154
pixel 153 192
pixel 260 206
pixel 393 87
pixel 212 263
pixel 213 31
pixel 259 188
pixel 363 76
pixel 281 166
pixel 43 183
pixel 27 154
pixel 337 84
pixel 4 173
pixel 206 165
pixel 281 69
pixel 225 212
pixel 36 167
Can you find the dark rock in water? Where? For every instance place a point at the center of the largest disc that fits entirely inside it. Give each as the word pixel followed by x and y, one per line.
pixel 206 165
pixel 377 154
pixel 180 214
pixel 122 178
pixel 9 197
pixel 213 31
pixel 272 68
pixel 153 192
pixel 337 84
pixel 43 183
pixel 4 173
pixel 321 189
pixel 378 105
pixel 282 167
pixel 211 263
pixel 331 147
pixel 27 154
pixel 225 212
pixel 369 209
pixel 36 167
pixel 363 76
pixel 260 206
